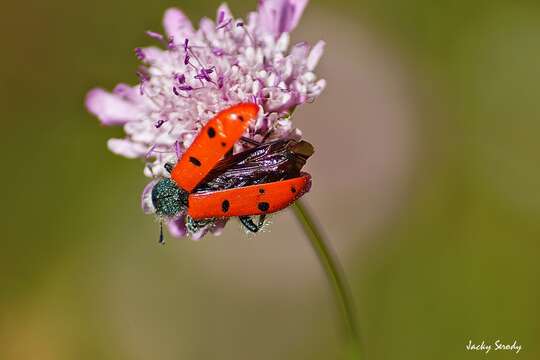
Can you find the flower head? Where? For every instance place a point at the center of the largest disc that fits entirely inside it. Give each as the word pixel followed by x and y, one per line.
pixel 195 73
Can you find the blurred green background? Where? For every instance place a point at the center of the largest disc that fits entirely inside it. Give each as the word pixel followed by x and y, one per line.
pixel 426 180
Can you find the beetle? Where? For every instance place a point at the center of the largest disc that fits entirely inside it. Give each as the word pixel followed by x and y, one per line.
pixel 210 182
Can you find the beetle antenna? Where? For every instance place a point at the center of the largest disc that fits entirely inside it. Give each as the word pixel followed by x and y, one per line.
pixel 161 237
pixel 169 167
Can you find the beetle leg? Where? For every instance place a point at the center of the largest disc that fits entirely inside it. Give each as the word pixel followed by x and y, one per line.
pixel 247 221
pixel 261 220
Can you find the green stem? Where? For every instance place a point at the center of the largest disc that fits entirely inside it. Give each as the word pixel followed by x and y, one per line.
pixel 332 268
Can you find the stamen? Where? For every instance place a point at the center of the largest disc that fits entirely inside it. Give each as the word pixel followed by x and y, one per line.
pixel 220 81
pixel 180 78
pixel 241 24
pixel 159 123
pixel 197 70
pixel 184 88
pixel 221 16
pixel 142 74
pixel 186 51
pixel 150 151
pixel 205 74
pixel 196 57
pixel 177 149
pixel 143 78
pixel 171 45
pixel 140 54
pixel 225 24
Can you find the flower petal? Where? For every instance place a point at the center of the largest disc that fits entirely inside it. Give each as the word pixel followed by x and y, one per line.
pixel 177 227
pixel 199 234
pixel 127 148
pixel 110 109
pixel 279 16
pixel 128 93
pixel 219 226
pixel 153 54
pixel 315 55
pixel 297 10
pixel 300 51
pixel 176 24
pixel 146 198
pixel 223 14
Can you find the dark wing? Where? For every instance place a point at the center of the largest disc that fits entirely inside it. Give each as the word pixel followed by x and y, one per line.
pixel 273 161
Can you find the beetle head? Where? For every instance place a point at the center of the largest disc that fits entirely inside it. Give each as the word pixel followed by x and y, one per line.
pixel 168 198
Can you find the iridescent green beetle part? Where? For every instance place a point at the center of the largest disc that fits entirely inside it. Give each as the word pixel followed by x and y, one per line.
pixel 168 199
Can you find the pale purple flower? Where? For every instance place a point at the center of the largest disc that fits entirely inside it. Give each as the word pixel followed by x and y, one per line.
pixel 199 72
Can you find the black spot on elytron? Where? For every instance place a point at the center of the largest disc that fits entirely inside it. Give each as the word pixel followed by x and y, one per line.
pixel 223 143
pixel 261 191
pixel 293 189
pixel 194 161
pixel 241 118
pixel 225 205
pixel 263 206
pixel 211 132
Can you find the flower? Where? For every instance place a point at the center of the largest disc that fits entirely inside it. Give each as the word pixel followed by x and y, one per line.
pixel 198 72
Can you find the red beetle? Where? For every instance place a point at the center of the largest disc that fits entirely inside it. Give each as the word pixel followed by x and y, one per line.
pixel 209 182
